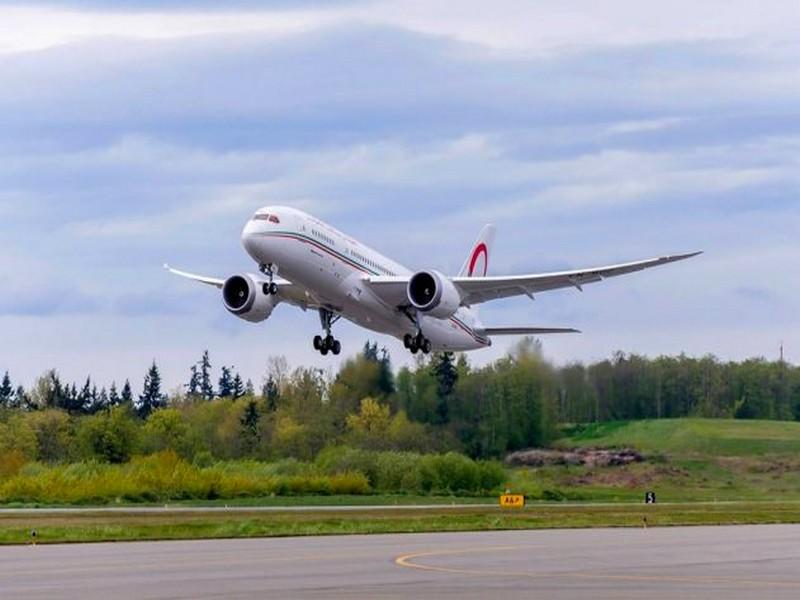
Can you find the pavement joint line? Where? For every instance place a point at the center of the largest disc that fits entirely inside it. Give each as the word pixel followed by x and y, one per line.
pixel 408 561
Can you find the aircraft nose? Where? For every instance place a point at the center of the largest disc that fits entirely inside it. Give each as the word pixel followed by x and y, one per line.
pixel 249 237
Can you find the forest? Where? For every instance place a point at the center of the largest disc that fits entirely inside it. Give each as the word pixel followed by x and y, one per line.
pixel 441 404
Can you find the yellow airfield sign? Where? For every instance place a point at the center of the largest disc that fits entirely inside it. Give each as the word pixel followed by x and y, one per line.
pixel 512 501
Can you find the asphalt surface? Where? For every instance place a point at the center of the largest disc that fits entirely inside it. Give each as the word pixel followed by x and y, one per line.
pixel 728 563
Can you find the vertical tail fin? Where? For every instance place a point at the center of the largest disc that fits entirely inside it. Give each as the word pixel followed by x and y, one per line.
pixel 477 263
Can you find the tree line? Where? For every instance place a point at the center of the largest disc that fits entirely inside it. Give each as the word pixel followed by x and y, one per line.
pixel 440 404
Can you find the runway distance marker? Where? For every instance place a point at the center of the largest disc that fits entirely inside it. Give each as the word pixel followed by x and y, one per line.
pixel 512 501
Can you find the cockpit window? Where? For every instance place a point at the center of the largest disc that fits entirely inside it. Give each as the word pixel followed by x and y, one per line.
pixel 267 217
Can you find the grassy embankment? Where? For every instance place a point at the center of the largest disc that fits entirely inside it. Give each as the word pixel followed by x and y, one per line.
pixel 688 460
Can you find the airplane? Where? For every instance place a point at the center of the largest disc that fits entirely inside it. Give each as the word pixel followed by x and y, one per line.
pixel 325 270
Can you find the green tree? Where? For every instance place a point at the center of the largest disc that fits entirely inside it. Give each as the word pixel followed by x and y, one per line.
pixel 206 387
pixel 237 387
pixel 109 436
pixel 251 430
pixel 54 435
pixel 151 398
pixel 194 386
pixel 126 397
pixel 225 387
pixel 113 396
pixel 166 429
pixel 6 392
pixel 271 393
pixel 446 375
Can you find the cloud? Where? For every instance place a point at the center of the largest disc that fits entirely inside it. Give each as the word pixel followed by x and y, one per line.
pixel 590 135
pixel 46 302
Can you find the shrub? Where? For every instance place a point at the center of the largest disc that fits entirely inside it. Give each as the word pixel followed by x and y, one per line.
pixel 492 475
pixel 393 470
pixel 203 459
pixel 450 473
pixel 353 484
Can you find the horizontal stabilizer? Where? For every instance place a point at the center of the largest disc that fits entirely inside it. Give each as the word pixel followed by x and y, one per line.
pixel 490 331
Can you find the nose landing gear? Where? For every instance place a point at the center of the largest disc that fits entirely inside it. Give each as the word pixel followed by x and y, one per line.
pixel 327 344
pixel 270 288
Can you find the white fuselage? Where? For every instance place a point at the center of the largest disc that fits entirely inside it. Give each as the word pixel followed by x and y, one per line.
pixel 332 267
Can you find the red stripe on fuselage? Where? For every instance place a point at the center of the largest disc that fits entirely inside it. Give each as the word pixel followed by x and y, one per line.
pixel 316 244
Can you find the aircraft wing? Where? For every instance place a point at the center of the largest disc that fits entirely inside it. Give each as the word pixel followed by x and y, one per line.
pixel 199 278
pixel 475 290
pixel 287 291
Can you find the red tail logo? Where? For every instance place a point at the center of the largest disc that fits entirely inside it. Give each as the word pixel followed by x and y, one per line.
pixel 480 251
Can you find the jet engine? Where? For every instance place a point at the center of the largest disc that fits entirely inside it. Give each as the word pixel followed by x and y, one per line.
pixel 433 293
pixel 244 296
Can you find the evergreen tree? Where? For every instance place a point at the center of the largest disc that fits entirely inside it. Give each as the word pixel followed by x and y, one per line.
pixel 446 377
pixel 249 388
pixel 250 426
pixel 151 398
pixel 6 391
pixel 113 396
pixel 126 398
pixel 386 375
pixel 237 389
pixel 206 387
pixel 225 389
pixel 271 393
pixel 72 397
pixel 193 388
pixel 58 396
pixel 100 401
pixel 370 351
pixel 83 401
pixel 21 399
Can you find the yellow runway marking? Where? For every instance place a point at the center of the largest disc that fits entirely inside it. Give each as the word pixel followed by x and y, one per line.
pixel 410 561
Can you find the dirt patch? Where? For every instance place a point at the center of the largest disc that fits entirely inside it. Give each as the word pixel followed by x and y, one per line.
pixel 581 457
pixel 626 478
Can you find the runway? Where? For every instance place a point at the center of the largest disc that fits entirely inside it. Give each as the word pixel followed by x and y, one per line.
pixel 729 563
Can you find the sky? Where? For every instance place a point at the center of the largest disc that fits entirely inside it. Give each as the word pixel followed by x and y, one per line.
pixel 589 133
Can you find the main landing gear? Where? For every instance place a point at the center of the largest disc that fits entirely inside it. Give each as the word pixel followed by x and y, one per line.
pixel 327 344
pixel 270 288
pixel 417 343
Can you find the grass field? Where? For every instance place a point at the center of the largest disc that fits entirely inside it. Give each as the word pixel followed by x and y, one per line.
pixel 96 527
pixel 688 460
pixel 686 437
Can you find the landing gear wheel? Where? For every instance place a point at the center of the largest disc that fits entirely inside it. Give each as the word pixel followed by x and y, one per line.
pixel 336 348
pixel 413 347
pixel 427 346
pixel 324 351
pixel 408 339
pixel 273 288
pixel 318 343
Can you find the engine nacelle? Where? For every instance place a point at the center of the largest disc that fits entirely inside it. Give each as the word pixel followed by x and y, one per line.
pixel 244 296
pixel 433 293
